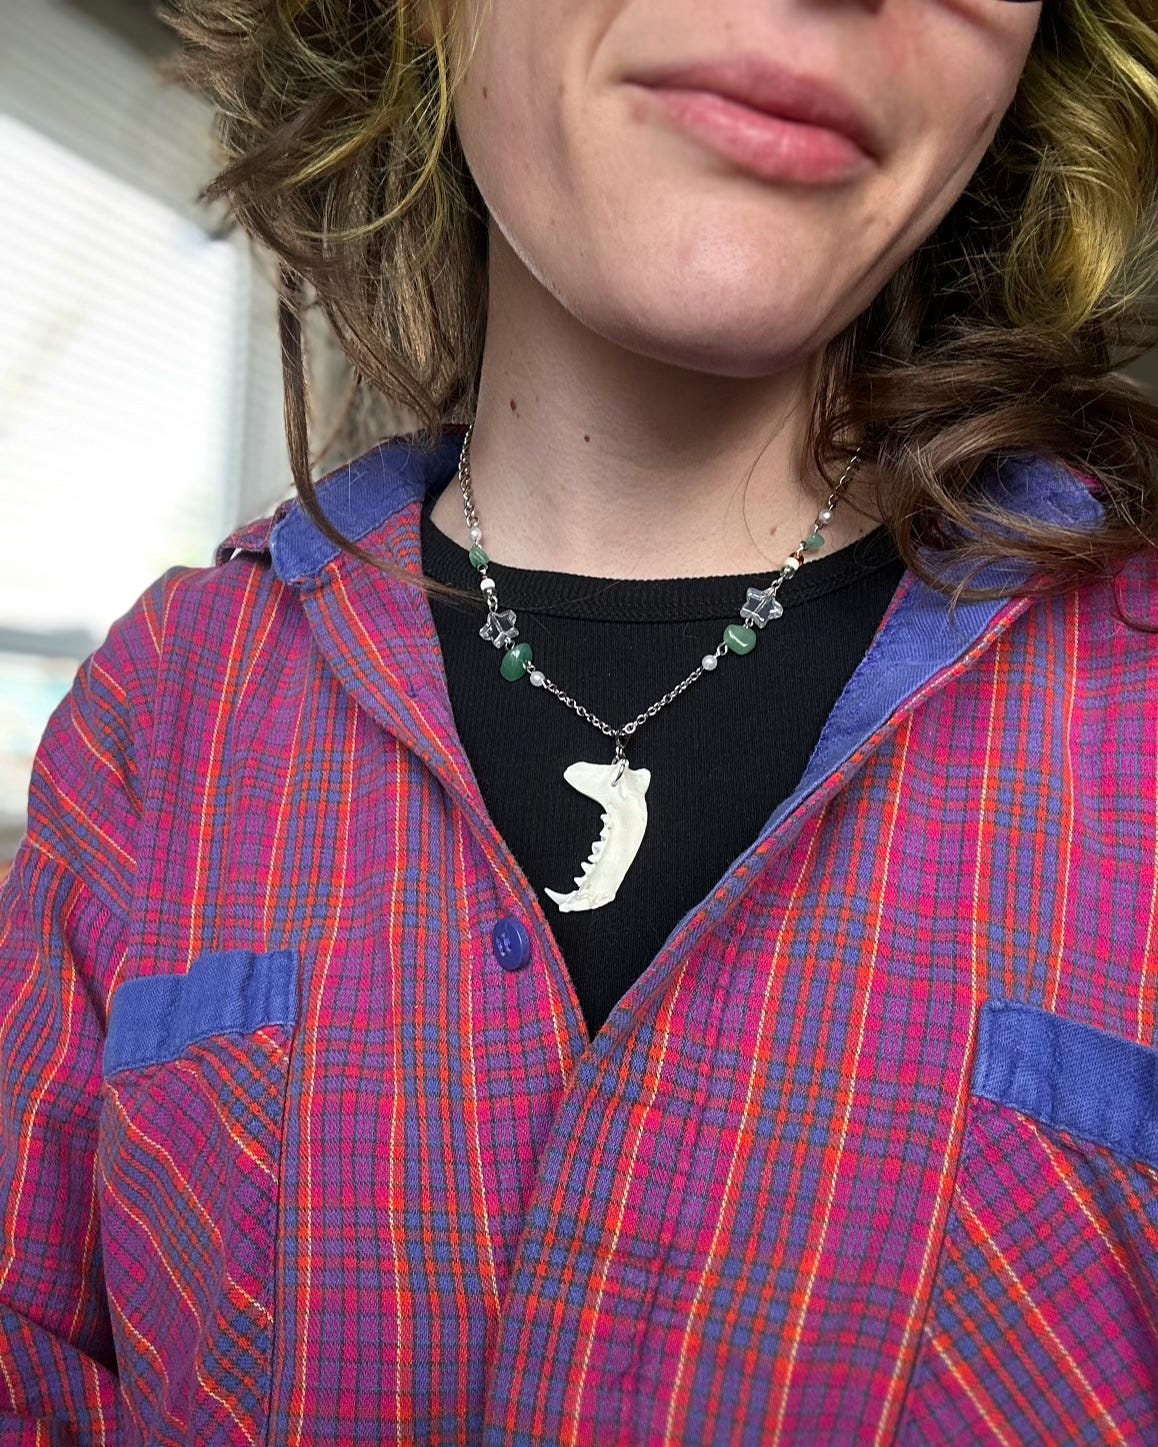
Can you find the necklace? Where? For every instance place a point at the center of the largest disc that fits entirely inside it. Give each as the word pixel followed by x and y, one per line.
pixel 620 789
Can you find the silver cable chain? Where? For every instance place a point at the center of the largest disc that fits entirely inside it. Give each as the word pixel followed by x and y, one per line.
pixel 791 565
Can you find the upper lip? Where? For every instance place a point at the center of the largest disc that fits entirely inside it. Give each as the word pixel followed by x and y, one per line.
pixel 766 87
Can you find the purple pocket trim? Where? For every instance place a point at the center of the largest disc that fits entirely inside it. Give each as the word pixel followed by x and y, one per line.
pixel 156 1017
pixel 1096 1085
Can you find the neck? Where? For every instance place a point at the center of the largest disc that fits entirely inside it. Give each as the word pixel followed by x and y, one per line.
pixel 588 457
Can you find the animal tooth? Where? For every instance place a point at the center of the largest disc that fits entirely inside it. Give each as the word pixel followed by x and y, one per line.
pixel 623 819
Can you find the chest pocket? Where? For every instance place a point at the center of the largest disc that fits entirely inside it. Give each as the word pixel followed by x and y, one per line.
pixel 1043 1324
pixel 195 1075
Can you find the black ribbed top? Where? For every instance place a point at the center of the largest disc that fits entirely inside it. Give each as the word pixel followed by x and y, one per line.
pixel 722 755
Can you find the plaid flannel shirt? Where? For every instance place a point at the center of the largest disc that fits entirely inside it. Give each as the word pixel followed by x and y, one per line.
pixel 288 1155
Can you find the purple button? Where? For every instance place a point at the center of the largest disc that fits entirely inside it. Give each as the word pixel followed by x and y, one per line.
pixel 511 943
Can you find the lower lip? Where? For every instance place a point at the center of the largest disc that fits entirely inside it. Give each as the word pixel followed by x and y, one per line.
pixel 769 146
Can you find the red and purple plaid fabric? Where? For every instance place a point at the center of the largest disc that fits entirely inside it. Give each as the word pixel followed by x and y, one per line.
pixel 868 1154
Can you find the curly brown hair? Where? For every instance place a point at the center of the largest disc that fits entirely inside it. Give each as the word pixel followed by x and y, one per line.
pixel 1005 332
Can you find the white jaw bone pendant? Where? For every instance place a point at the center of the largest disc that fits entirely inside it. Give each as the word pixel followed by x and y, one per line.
pixel 624 822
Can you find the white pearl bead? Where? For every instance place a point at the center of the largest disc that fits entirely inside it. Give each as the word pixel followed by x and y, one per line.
pixel 476 534
pixel 709 661
pixel 789 565
pixel 487 585
pixel 537 677
pixel 824 516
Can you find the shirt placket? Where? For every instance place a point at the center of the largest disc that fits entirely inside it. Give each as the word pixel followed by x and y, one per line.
pixel 524 1404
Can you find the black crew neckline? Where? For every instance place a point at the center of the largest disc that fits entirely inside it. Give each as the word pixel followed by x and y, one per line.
pixel 648 600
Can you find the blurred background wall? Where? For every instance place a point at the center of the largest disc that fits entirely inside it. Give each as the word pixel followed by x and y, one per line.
pixel 140 382
pixel 140 391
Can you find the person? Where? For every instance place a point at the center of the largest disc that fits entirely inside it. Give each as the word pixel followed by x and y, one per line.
pixel 773 509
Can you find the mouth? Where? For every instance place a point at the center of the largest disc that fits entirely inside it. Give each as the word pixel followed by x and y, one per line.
pixel 770 147
pixel 768 121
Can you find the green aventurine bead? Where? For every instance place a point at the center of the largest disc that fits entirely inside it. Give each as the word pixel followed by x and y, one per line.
pixel 813 541
pixel 739 639
pixel 478 557
pixel 513 660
